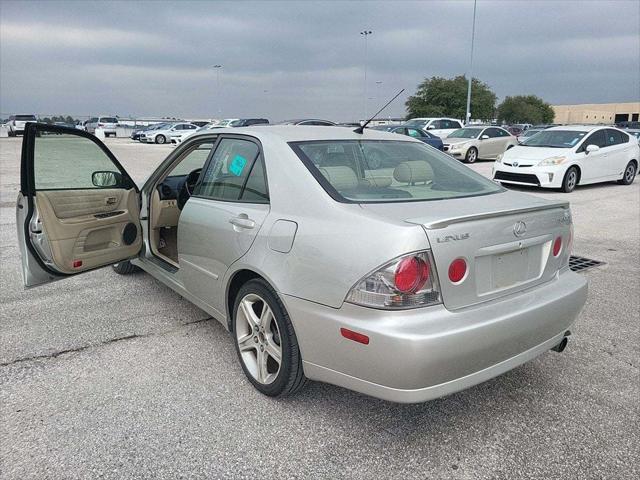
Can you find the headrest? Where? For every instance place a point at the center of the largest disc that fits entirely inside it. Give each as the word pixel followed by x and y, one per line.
pixel 378 181
pixel 341 178
pixel 413 172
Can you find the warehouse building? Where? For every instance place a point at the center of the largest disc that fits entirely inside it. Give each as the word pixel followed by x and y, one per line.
pixel 588 113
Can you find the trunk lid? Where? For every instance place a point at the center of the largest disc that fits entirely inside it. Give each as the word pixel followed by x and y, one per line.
pixel 485 231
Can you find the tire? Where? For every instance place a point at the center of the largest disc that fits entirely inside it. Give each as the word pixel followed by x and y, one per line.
pixel 570 180
pixel 160 139
pixel 258 333
pixel 11 133
pixel 629 174
pixel 124 268
pixel 471 156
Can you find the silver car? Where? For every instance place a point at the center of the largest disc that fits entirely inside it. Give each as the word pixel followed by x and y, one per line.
pixel 473 143
pixel 406 282
pixel 107 124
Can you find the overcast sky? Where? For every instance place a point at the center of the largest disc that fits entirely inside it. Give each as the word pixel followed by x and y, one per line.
pixel 305 59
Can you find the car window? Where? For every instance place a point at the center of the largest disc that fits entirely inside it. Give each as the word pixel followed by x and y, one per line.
pixel 491 132
pixel 191 127
pixel 194 159
pixel 255 190
pixel 228 171
pixel 436 124
pixel 93 120
pixel 412 132
pixel 614 137
pixel 502 133
pixel 400 131
pixel 596 138
pixel 68 162
pixel 108 120
pixel 386 171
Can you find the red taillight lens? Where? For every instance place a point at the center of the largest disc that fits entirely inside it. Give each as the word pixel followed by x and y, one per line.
pixel 411 274
pixel 557 246
pixel 457 270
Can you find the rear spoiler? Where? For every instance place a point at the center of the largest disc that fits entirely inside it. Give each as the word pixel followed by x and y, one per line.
pixel 499 213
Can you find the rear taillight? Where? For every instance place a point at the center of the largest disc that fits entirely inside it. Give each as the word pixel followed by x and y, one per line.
pixel 406 282
pixel 557 246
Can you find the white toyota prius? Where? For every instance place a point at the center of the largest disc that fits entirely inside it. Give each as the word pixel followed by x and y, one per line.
pixel 567 156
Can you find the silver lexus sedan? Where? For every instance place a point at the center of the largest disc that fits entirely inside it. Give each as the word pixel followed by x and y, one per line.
pixel 407 281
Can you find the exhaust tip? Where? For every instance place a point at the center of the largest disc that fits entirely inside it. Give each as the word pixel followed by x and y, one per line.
pixel 561 346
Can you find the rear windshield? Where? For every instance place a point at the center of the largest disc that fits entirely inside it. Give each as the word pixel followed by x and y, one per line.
pixel 26 118
pixel 555 139
pixel 388 171
pixel 108 120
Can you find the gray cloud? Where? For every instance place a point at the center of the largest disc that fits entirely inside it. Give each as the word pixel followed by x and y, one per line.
pixel 294 59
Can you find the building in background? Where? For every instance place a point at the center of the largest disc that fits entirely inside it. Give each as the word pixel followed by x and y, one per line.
pixel 589 113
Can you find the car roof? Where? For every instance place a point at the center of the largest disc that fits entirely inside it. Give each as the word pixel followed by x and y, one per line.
pixel 577 128
pixel 301 133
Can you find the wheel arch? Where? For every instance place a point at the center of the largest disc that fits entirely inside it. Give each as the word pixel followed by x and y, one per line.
pixel 235 283
pixel 577 167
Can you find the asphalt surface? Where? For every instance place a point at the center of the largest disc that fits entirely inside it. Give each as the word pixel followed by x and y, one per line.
pixel 108 376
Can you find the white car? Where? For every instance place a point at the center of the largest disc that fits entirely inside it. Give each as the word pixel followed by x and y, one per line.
pixel 164 135
pixel 107 124
pixel 16 124
pixel 472 143
pixel 181 137
pixel 440 127
pixel 563 157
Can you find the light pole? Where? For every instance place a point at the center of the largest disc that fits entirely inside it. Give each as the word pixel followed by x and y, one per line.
pixel 365 34
pixel 473 35
pixel 378 85
pixel 217 69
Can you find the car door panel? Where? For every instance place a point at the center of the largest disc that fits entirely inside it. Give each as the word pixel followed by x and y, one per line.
pixel 87 226
pixel 77 209
pixel 219 223
pixel 208 243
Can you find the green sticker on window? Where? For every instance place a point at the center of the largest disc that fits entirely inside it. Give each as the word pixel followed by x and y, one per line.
pixel 237 165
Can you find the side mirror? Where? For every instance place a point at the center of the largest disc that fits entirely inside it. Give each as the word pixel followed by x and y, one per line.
pixel 431 127
pixel 591 148
pixel 484 137
pixel 104 179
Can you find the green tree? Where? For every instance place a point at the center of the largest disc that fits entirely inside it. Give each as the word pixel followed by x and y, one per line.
pixel 447 97
pixel 525 109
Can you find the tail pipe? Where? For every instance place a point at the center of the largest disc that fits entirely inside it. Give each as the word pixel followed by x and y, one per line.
pixel 563 343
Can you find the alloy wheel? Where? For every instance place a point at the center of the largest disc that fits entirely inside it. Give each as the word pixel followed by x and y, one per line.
pixel 572 179
pixel 630 173
pixel 258 339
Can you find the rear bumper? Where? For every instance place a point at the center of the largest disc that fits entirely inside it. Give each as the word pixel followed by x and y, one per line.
pixel 417 355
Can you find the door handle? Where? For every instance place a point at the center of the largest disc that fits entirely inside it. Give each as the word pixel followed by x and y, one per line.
pixel 242 221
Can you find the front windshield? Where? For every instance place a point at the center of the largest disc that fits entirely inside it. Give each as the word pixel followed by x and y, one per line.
pixel 555 139
pixel 465 133
pixel 389 171
pixel 530 133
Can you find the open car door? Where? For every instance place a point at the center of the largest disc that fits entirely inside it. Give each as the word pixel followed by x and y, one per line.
pixel 77 210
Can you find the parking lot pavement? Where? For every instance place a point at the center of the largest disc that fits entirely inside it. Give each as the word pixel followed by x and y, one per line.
pixel 105 376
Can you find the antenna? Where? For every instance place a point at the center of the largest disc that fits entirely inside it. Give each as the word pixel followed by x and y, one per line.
pixel 361 128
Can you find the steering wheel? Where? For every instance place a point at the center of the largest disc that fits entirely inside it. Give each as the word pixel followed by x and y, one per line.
pixel 187 187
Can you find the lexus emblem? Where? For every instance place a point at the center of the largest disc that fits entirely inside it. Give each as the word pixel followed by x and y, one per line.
pixel 519 229
pixel 515 164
